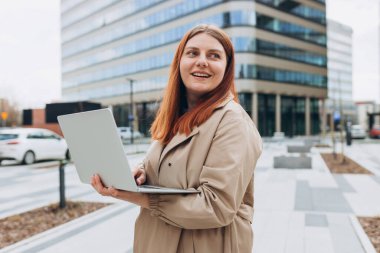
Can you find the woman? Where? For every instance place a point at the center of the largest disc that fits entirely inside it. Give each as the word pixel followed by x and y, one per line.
pixel 203 139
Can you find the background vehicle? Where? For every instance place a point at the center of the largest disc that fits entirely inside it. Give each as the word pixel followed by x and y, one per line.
pixel 375 131
pixel 27 145
pixel 358 132
pixel 125 133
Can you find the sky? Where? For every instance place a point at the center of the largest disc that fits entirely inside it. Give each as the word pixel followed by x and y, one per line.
pixel 363 16
pixel 30 49
pixel 30 52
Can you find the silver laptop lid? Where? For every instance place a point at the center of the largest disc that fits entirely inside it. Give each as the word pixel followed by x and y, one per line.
pixel 95 147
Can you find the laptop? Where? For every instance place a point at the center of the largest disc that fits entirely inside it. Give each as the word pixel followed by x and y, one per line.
pixel 96 148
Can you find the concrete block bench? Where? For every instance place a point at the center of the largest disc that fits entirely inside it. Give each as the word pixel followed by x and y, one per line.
pixel 292 162
pixel 299 149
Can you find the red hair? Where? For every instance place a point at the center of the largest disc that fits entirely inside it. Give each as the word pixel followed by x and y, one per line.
pixel 170 118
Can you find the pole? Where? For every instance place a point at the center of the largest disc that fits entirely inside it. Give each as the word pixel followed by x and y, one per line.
pixel 341 118
pixel 62 199
pixel 131 114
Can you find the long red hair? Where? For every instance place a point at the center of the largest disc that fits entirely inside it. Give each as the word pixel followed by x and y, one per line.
pixel 171 118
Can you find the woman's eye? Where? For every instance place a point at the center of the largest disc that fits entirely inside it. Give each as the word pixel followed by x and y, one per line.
pixel 191 53
pixel 215 55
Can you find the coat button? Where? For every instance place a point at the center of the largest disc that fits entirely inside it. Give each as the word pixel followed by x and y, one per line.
pixel 170 164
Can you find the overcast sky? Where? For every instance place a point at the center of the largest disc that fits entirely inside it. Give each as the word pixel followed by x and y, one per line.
pixel 30 49
pixel 363 16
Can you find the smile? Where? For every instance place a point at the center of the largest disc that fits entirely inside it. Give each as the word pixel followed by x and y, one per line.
pixel 198 74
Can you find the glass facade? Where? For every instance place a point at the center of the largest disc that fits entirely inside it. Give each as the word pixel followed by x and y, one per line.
pixel 250 44
pixel 245 100
pixel 266 114
pixel 298 9
pixel 291 30
pixel 250 71
pixel 129 27
pixel 314 117
pixel 293 115
pixel 146 112
pixel 226 19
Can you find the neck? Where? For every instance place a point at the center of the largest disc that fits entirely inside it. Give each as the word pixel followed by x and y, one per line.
pixel 191 101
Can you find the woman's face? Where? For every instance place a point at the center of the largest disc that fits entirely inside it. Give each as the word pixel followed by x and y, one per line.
pixel 202 65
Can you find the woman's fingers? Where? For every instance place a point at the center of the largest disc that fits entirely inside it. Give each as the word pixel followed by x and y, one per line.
pixel 139 175
pixel 97 183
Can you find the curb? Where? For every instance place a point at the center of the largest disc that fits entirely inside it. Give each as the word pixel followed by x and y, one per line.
pixel 363 238
pixel 34 243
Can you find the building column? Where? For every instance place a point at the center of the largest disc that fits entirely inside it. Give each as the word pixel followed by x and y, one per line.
pixel 307 116
pixel 324 118
pixel 278 113
pixel 255 109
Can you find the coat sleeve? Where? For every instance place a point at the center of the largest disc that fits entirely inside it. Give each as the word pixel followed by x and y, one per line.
pixel 224 179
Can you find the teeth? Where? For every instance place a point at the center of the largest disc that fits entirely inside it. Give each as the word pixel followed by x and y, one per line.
pixel 200 75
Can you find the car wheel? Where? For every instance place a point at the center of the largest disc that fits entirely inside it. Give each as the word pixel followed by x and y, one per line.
pixel 29 158
pixel 67 155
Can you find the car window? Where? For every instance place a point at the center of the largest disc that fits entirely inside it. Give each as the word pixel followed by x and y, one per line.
pixel 51 136
pixel 4 137
pixel 35 135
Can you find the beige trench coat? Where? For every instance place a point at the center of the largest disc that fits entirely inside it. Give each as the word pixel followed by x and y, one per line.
pixel 218 158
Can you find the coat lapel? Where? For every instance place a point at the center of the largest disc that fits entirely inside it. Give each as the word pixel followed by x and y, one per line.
pixel 154 155
pixel 177 139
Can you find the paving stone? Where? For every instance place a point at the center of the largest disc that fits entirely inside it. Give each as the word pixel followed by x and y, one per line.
pixel 318 240
pixel 303 200
pixel 295 234
pixel 343 184
pixel 376 179
pixel 343 235
pixel 329 200
pixel 262 168
pixel 315 220
pixel 319 199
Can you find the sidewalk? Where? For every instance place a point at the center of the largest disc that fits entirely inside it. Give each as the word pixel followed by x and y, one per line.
pixel 296 211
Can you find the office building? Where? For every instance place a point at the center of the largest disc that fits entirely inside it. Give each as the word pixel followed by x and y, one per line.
pixel 339 54
pixel 111 47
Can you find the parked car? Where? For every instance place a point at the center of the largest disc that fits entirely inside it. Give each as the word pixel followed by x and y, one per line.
pixel 358 132
pixel 27 145
pixel 125 133
pixel 375 131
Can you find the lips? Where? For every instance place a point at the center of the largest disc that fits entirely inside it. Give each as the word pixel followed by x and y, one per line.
pixel 201 74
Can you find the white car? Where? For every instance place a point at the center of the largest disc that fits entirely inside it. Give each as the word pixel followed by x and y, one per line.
pixel 27 145
pixel 125 133
pixel 358 132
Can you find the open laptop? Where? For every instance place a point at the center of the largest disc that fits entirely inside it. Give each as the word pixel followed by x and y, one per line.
pixel 96 148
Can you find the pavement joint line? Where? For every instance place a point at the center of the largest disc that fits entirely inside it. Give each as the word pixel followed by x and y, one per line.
pixel 362 236
pixel 72 228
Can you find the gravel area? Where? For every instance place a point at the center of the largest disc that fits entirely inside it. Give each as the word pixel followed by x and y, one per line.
pixel 338 165
pixel 371 226
pixel 21 226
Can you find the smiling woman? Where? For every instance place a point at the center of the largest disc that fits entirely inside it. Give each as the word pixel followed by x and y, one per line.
pixel 203 140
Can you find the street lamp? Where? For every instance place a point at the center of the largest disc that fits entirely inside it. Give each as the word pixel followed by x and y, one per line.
pixel 130 116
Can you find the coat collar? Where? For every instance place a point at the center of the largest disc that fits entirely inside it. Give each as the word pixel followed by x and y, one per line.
pixel 180 138
pixel 225 101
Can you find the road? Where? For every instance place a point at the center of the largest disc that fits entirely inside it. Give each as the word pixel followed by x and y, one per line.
pixel 25 187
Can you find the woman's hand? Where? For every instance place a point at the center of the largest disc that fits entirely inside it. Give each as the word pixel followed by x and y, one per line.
pixel 140 199
pixel 139 175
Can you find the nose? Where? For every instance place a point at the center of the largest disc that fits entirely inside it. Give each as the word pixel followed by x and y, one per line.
pixel 202 61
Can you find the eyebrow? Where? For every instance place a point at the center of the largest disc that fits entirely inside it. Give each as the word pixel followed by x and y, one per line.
pixel 213 50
